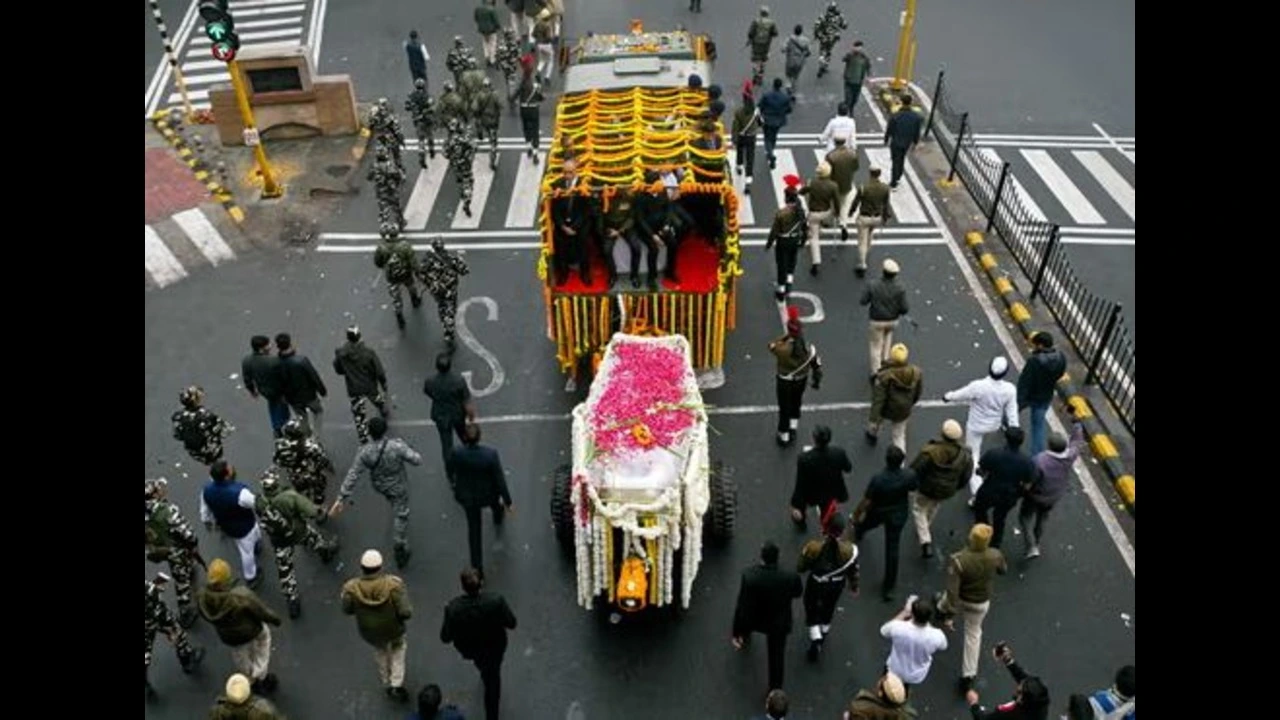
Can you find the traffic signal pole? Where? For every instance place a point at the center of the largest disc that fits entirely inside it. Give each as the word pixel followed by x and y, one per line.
pixel 270 188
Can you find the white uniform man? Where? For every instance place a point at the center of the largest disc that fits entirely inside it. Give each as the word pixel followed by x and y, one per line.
pixel 840 126
pixel 993 405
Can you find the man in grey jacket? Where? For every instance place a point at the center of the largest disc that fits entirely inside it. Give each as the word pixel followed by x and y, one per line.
pixel 366 380
pixel 887 302
pixel 797 51
pixel 384 459
pixel 1052 479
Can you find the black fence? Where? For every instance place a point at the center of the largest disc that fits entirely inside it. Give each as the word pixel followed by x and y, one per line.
pixel 1094 325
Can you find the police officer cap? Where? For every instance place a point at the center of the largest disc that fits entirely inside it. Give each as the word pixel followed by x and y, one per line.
pixel 371 560
pixel 448 86
pixel 487 83
pixel 420 83
pixel 764 11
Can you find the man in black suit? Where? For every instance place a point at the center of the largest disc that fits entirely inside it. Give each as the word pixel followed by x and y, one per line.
pixel 901 134
pixel 477 624
pixel 479 482
pixel 819 477
pixel 569 216
pixel 764 606
pixel 451 407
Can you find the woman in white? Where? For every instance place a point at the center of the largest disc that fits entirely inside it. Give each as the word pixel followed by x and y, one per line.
pixel 993 405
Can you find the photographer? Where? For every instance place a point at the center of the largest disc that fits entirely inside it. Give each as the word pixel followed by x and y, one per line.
pixel 1030 699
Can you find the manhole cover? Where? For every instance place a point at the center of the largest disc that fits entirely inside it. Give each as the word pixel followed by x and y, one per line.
pixel 337 170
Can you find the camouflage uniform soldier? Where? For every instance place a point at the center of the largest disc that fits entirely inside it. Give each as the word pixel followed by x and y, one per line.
pixel 760 37
pixel 395 256
pixel 198 429
pixel 509 63
pixel 158 618
pixel 451 105
pixel 422 108
pixel 441 273
pixel 826 30
pixel 471 83
pixel 384 460
pixel 304 459
pixel 460 149
pixel 387 178
pixel 460 58
pixel 486 108
pixel 169 538
pixel 385 127
pixel 287 518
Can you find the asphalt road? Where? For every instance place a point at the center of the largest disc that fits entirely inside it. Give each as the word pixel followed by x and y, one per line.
pixel 1069 615
pixel 172 11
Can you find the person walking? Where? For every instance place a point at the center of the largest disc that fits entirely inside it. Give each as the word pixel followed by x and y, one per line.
pixel 198 428
pixel 304 460
pixel 1007 473
pixel 760 37
pixel 796 52
pixel 913 641
pixel 361 367
pixel 476 623
pixel 798 363
pixel 169 538
pixel 942 466
pixel 384 458
pixel 786 235
pixel 158 618
pixel 479 482
pixel 826 32
pixel 422 113
pixel 824 201
pixel 380 603
pixel 303 387
pixel 844 164
pixel 516 8
pixel 874 211
pixel 260 373
pixel 230 504
pixel 775 106
pixel 1030 702
pixel 885 503
pixel 529 98
pixel 451 407
pixel 241 619
pixel 1037 382
pixel 993 404
pixel 418 56
pixel 832 562
pixel 887 702
pixel 746 122
pixel 238 702
pixel 544 36
pixel 840 126
pixel 971 576
pixel 399 263
pixel 894 394
pixel 886 301
pixel 764 606
pixel 901 134
pixel 441 272
pixel 857 68
pixel 289 519
pixel 487 24
pixel 1053 477
pixel 819 478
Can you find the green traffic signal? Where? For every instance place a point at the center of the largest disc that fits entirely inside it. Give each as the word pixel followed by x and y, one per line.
pixel 217 31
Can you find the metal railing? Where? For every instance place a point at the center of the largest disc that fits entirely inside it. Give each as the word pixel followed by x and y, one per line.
pixel 1094 325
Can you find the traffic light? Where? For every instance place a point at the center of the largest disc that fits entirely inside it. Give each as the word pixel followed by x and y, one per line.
pixel 220 29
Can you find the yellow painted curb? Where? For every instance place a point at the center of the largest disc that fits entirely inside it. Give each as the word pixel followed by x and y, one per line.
pixel 1081 406
pixel 1103 447
pixel 1003 286
pixel 236 213
pixel 1128 489
pixel 1019 312
pixel 973 237
pixel 948 183
pixel 987 261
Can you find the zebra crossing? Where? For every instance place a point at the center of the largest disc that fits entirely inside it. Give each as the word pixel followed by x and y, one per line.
pixel 1085 184
pixel 288 23
pixel 506 200
pixel 182 242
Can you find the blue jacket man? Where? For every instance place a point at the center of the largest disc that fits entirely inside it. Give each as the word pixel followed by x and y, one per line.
pixel 901 134
pixel 774 108
pixel 478 482
pixel 230 504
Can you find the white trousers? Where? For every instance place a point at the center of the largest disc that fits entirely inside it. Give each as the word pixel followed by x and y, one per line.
pixel 253 658
pixel 249 561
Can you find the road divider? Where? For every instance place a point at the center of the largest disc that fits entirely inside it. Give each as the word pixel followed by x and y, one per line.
pixel 197 165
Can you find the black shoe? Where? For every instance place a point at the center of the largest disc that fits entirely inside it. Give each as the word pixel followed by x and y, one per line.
pixel 398 694
pixel 635 281
pixel 844 234
pixel 466 208
pixel 193 662
pixel 746 189
pixel 402 555
pixel 813 269
pixel 815 649
pixel 773 163
pixel 255 583
pixel 400 320
pixel 893 186
pixel 416 302
pixel 265 685
pixel 926 550
pixel 965 684
pixel 872 438
pixel 188 616
pixel 533 156
pixel 327 553
pixel 295 608
pixel 860 271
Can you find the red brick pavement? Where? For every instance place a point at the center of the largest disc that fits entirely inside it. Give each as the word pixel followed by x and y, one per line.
pixel 171 186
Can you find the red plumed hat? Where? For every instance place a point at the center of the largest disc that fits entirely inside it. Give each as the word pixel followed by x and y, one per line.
pixel 793 312
pixel 792 181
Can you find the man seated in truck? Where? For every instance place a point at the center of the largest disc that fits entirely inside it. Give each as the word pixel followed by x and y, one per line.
pixel 664 222
pixel 569 214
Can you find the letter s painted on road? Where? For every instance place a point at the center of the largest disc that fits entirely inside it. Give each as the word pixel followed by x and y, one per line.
pixel 469 339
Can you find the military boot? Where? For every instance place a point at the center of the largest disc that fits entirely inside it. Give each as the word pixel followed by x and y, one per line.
pixel 295 608
pixel 402 555
pixel 187 616
pixel 197 654
pixel 400 319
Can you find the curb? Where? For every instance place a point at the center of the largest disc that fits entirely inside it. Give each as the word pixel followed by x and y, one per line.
pixel 198 166
pixel 1103 448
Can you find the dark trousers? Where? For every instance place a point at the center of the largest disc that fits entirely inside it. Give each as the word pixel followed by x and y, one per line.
pixel 278 411
pixel 892 538
pixel 491 677
pixel 745 148
pixel 820 599
pixel 770 139
pixel 785 254
pixel 571 250
pixel 529 123
pixel 473 530
pixel 695 5
pixel 852 92
pixel 982 510
pixel 1030 511
pixel 790 397
pixel 447 431
pixel 777 652
pixel 898 155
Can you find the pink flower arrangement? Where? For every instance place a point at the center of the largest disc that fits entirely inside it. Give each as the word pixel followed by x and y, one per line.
pixel 646 387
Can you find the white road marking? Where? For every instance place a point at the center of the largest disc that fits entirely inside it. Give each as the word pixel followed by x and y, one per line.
pixel 479 194
pixel 259 35
pixel 159 262
pixel 204 236
pixel 746 214
pixel 1019 192
pixel 1116 186
pixel 1078 230
pixel 270 10
pixel 497 376
pixel 1065 191
pixel 906 208
pixel 1104 242
pixel 786 166
pixel 1114 142
pixel 425 189
pixel 523 210
pixel 163 70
